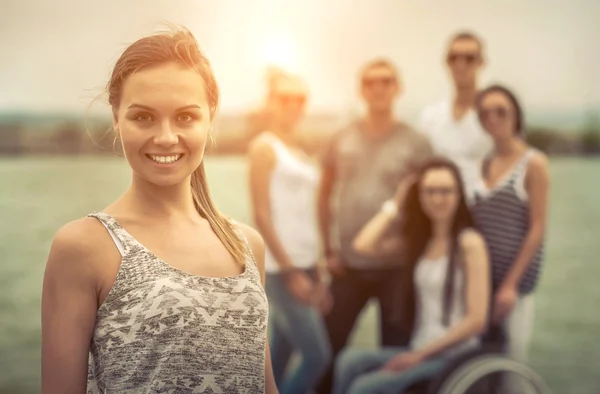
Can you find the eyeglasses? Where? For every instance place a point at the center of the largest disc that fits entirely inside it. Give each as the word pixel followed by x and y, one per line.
pixel 287 99
pixel 499 112
pixel 441 191
pixel 468 58
pixel 383 81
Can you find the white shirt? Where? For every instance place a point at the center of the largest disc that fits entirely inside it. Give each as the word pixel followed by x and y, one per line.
pixel 464 141
pixel 293 188
pixel 429 279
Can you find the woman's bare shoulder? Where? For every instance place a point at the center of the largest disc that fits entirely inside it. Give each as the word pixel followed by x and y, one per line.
pixel 470 239
pixel 79 247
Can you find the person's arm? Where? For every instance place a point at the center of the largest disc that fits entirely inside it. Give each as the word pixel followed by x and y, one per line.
pixel 326 185
pixel 257 245
pixel 69 307
pixel 375 239
pixel 327 181
pixel 476 267
pixel 537 184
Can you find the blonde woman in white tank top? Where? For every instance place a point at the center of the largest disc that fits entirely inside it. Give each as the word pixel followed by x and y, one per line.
pixel 450 277
pixel 283 186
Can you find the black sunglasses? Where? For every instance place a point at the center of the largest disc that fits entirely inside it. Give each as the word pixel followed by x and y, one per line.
pixel 383 81
pixel 469 58
pixel 287 99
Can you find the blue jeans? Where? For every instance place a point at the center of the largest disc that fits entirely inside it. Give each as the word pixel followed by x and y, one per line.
pixel 293 327
pixel 358 371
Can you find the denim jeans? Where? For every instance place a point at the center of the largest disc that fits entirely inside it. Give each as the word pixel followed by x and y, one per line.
pixel 351 292
pixel 297 327
pixel 358 371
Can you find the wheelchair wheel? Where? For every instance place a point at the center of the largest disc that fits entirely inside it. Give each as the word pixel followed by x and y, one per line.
pixel 465 376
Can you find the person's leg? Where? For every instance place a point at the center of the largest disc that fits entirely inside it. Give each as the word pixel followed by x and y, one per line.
pixel 354 362
pixel 385 382
pixel 395 317
pixel 308 335
pixel 281 350
pixel 280 346
pixel 519 328
pixel 350 294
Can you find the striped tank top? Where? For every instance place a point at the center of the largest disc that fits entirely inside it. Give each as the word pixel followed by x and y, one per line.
pixel 502 216
pixel 162 330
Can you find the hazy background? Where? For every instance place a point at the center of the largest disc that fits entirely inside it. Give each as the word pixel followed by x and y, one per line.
pixel 55 57
pixel 55 54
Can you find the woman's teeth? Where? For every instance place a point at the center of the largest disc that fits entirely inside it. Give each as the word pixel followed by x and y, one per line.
pixel 165 159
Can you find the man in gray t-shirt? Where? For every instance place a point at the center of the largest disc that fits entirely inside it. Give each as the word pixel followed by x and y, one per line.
pixel 361 168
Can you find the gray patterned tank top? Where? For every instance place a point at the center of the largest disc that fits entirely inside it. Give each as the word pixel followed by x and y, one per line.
pixel 162 330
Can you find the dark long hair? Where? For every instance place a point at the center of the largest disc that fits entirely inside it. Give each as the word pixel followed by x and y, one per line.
pixel 416 229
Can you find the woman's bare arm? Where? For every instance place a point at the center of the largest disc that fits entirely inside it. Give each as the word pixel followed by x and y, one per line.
pixel 69 306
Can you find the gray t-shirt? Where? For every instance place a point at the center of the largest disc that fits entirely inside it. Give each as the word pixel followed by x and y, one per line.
pixel 367 172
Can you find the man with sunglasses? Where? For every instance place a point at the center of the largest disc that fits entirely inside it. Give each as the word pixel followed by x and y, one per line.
pixel 451 124
pixel 362 167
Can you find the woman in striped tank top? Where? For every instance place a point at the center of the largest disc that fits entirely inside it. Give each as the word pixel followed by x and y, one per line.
pixel 510 211
pixel 159 292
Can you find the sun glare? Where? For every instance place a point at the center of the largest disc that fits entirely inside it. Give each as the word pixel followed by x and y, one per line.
pixel 278 51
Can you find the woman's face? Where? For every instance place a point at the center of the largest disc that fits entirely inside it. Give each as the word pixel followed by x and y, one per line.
pixel 163 121
pixel 498 116
pixel 439 194
pixel 288 102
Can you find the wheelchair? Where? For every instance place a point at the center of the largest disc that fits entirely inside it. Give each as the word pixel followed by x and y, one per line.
pixel 482 371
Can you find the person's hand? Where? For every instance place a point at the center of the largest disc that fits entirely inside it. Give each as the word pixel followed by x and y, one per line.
pixel 403 361
pixel 334 265
pixel 323 298
pixel 403 187
pixel 301 286
pixel 504 302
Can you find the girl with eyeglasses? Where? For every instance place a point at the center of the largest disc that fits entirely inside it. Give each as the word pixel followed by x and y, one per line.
pixel 448 270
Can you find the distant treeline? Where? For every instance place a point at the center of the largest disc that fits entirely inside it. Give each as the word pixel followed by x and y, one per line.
pixel 233 136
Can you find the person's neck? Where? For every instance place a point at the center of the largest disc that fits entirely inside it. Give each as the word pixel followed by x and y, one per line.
pixel 161 202
pixel 287 135
pixel 465 96
pixel 440 230
pixel 379 123
pixel 509 147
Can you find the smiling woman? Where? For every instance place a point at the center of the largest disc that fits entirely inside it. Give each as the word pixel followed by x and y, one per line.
pixel 159 291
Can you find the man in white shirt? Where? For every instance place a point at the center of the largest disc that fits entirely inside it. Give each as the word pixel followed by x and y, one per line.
pixel 452 124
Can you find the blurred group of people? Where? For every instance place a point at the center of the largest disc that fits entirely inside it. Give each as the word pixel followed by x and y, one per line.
pixel 442 222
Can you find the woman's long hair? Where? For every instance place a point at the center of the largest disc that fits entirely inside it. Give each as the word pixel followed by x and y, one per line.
pixel 416 229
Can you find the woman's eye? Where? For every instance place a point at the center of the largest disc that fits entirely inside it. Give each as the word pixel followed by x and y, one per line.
pixel 143 118
pixel 185 117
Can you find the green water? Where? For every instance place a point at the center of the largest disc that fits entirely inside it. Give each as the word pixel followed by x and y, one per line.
pixel 38 195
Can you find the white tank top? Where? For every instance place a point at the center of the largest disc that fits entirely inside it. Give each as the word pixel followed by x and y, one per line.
pixel 292 194
pixel 429 279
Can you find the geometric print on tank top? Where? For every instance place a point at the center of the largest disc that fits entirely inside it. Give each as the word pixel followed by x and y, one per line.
pixel 162 330
pixel 502 217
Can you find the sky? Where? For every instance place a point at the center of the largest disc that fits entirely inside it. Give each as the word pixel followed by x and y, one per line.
pixel 57 55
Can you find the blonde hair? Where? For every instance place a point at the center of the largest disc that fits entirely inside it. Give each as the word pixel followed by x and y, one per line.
pixel 180 46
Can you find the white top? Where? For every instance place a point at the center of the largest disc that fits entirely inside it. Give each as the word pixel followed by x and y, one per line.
pixel 429 279
pixel 292 195
pixel 463 141
pixel 484 191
